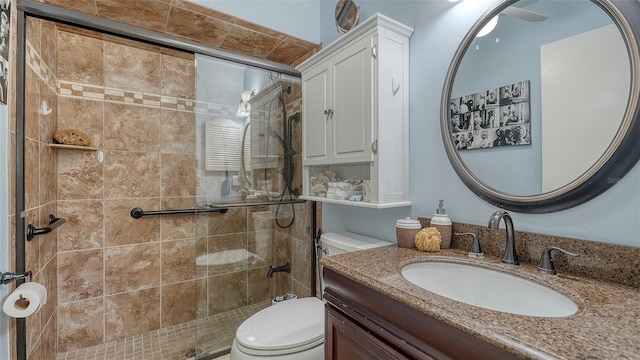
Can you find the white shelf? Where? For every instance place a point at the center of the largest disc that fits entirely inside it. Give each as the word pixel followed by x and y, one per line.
pixel 72 147
pixel 363 204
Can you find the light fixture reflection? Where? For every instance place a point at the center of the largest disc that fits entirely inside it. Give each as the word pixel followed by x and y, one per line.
pixel 488 27
pixel 244 108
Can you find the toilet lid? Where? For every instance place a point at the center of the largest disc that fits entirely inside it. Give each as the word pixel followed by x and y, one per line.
pixel 293 325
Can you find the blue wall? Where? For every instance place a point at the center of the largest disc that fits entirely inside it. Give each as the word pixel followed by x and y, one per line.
pixel 439 26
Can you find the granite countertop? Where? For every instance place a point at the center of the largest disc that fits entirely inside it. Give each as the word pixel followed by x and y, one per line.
pixel 606 326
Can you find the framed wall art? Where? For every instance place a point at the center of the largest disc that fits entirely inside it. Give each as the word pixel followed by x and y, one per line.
pixel 495 117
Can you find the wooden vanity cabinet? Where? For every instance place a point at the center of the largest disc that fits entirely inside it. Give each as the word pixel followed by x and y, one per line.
pixel 361 323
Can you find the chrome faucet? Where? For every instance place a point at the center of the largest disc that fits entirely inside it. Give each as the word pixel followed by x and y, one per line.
pixel 510 254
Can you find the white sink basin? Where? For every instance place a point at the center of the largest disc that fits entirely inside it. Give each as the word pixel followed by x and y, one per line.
pixel 489 289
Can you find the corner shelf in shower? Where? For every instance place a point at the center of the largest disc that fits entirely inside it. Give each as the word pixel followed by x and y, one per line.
pixel 72 147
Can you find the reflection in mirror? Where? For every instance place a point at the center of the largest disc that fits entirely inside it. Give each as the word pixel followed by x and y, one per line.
pixel 576 64
pixel 573 65
pixel 347 15
pixel 244 143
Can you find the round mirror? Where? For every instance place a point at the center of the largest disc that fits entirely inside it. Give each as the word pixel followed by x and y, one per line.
pixel 347 15
pixel 540 104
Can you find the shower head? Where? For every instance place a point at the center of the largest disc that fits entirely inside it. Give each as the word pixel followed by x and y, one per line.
pixel 272 132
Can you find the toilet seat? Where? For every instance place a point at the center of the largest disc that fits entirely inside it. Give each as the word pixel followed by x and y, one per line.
pixel 279 330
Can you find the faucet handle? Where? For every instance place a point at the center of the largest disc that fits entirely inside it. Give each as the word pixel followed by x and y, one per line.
pixel 476 250
pixel 546 262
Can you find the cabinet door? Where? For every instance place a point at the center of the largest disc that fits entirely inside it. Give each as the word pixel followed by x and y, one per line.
pixel 352 85
pixel 345 340
pixel 317 115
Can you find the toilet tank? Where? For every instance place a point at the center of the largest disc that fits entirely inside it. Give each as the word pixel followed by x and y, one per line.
pixel 343 242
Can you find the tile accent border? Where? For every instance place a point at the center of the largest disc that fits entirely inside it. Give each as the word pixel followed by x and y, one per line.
pixel 39 66
pixel 101 93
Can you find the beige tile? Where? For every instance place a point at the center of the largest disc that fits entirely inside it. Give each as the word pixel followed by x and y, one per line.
pixel 129 268
pixel 132 313
pixel 227 292
pixel 149 14
pixel 302 289
pixel 177 303
pixel 195 26
pixel 258 285
pixel 48 340
pixel 131 128
pixel 249 42
pixel 49 45
pixel 201 266
pixel 122 229
pixel 289 50
pixel 128 174
pixel 48 122
pixel 80 324
pixel 175 227
pixel 301 262
pixel 83 6
pixel 301 228
pixel 32 102
pixel 261 245
pixel 48 243
pixel 80 275
pixel 83 115
pixel 32 247
pixel 49 278
pixel 227 253
pixel 32 174
pixel 284 248
pixel 80 59
pixel 233 221
pixel 178 77
pixel 131 68
pixel 202 306
pixel 84 226
pixel 203 10
pixel 178 175
pixel 178 261
pixel 283 284
pixel 33 328
pixel 79 175
pixel 33 32
pixel 48 177
pixel 177 132
pixel 34 352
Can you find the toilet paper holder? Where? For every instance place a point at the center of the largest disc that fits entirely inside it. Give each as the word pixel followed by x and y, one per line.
pixel 8 277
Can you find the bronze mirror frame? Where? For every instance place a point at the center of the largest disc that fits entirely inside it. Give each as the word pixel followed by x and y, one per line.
pixel 621 155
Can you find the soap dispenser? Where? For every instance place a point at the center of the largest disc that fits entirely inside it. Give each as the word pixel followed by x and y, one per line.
pixel 441 221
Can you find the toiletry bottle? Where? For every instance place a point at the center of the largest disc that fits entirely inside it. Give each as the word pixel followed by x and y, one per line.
pixel 441 221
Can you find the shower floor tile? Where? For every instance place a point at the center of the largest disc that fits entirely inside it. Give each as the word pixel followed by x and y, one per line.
pixel 211 335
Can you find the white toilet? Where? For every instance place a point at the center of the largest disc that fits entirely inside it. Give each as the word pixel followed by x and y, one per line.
pixel 294 329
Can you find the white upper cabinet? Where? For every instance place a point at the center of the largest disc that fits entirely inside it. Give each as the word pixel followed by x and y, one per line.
pixel 355 99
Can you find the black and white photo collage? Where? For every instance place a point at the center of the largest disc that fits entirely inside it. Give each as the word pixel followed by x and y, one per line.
pixel 492 118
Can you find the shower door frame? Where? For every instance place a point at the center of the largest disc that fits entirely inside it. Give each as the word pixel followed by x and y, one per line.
pixel 30 8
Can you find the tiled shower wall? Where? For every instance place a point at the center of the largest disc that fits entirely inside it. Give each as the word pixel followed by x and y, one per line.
pixel 40 183
pixel 118 276
pixel 143 121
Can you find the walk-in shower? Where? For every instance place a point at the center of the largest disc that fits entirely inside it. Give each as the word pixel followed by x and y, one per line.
pixel 185 198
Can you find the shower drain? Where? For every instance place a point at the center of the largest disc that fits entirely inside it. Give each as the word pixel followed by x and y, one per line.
pixel 191 353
